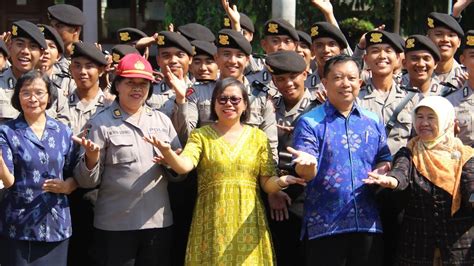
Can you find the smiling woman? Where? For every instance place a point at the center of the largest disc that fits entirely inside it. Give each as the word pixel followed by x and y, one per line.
pixel 36 165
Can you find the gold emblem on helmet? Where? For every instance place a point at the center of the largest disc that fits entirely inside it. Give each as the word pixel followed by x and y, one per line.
pixel 314 31
pixel 376 37
pixel 272 27
pixel 430 23
pixel 14 30
pixel 410 43
pixel 124 36
pixel 161 40
pixel 226 22
pixel 224 39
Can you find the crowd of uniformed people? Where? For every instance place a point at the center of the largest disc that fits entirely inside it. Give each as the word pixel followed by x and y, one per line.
pixel 106 161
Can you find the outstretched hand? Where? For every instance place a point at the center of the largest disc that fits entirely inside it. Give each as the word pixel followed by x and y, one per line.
pixel 302 158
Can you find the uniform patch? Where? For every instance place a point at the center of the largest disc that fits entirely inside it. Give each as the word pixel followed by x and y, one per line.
pixel 10 83
pixel 265 76
pixel 465 92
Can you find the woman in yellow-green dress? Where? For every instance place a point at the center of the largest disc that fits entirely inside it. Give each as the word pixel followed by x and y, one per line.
pixel 233 161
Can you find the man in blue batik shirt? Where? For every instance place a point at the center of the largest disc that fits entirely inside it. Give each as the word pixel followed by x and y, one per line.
pixel 341 224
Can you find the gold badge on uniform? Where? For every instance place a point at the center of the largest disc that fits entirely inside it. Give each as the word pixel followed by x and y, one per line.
pixel 272 27
pixel 117 113
pixel 139 65
pixel 115 57
pixel 14 30
pixel 161 40
pixel 223 39
pixel 227 22
pixel 314 31
pixel 410 43
pixel 376 37
pixel 430 23
pixel 124 36
pixel 470 40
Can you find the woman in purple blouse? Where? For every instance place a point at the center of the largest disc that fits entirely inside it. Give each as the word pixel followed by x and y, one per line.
pixel 36 168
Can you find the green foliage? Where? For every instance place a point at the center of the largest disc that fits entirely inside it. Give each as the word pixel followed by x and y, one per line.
pixel 354 28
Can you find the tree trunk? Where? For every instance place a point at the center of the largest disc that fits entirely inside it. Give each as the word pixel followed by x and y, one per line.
pixel 396 16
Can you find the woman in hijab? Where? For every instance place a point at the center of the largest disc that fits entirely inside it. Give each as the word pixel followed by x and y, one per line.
pixel 436 171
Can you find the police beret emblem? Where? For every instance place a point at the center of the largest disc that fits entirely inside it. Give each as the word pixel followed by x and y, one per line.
pixel 14 30
pixel 272 27
pixel 115 57
pixel 314 31
pixel 430 23
pixel 470 40
pixel 41 28
pixel 124 36
pixel 226 22
pixel 73 47
pixel 376 37
pixel 224 39
pixel 194 50
pixel 139 65
pixel 410 43
pixel 161 40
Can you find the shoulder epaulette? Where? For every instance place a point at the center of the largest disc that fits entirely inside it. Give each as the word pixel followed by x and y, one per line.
pixel 409 89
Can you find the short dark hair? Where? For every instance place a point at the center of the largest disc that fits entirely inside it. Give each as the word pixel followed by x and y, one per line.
pixel 26 79
pixel 117 79
pixel 221 85
pixel 342 58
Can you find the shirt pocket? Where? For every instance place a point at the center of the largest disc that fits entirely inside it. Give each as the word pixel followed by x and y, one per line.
pixel 204 111
pixel 122 150
pixel 405 124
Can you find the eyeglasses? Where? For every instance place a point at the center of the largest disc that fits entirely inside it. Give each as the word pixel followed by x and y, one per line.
pixel 234 100
pixel 37 94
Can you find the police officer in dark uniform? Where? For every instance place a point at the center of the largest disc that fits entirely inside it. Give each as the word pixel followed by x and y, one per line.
pixel 175 54
pixel 289 72
pixel 28 42
pixel 85 101
pixel 421 57
pixel 446 34
pixel 463 98
pixel 279 35
pixel 327 41
pixel 68 20
pixel 304 49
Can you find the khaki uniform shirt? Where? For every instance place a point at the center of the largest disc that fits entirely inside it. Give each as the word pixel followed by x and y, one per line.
pixel 79 114
pixel 133 191
pixel 7 86
pixel 450 77
pixel 264 78
pixel 198 110
pixel 384 105
pixel 463 102
pixel 163 98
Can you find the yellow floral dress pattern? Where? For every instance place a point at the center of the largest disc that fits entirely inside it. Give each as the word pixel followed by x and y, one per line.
pixel 229 225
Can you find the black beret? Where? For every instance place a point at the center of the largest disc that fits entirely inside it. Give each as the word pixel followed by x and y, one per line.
pixel 282 62
pixel 51 33
pixel 90 51
pixel 195 31
pixel 436 19
pixel 121 50
pixel 126 35
pixel 304 37
pixel 399 39
pixel 173 39
pixel 203 47
pixel 380 36
pixel 232 39
pixel 279 26
pixel 245 22
pixel 325 29
pixel 67 14
pixel 468 41
pixel 3 49
pixel 421 42
pixel 26 29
